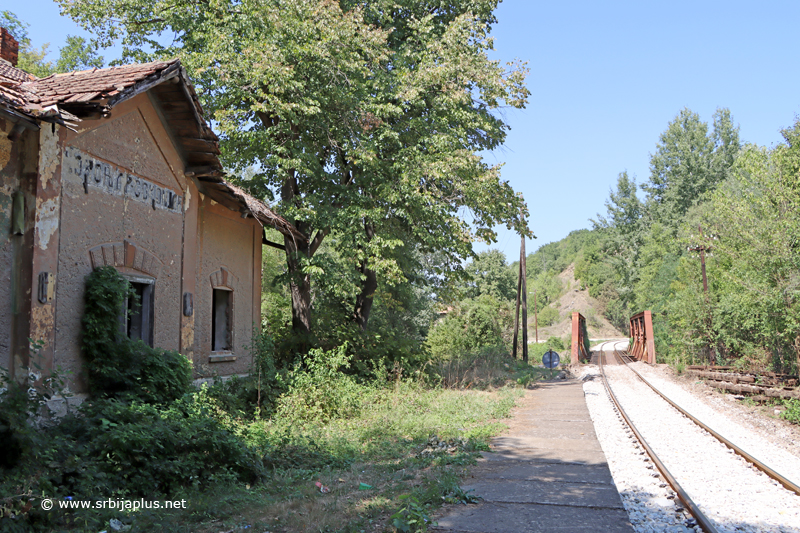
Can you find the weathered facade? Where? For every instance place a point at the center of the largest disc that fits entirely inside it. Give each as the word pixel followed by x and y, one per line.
pixel 117 167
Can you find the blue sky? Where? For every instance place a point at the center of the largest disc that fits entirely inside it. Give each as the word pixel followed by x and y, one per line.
pixel 606 78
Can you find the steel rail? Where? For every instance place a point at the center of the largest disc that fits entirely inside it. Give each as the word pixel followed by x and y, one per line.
pixel 758 464
pixel 695 511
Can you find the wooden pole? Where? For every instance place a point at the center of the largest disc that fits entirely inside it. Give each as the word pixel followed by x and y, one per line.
pixel 524 304
pixel 516 313
pixel 536 316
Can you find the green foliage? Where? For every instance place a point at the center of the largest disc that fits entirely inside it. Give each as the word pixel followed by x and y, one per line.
pixel 755 287
pixel 412 517
pixel 490 275
pixel 548 316
pixel 555 257
pixel 557 343
pixel 77 54
pixel 140 449
pixel 792 412
pixel 477 368
pixel 688 163
pixel 22 402
pixel 110 449
pixel 255 395
pixel 318 390
pixel 17 28
pixel 117 366
pixel 473 323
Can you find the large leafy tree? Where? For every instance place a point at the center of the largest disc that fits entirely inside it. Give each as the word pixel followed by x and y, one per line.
pixel 688 163
pixel 365 118
pixel 489 274
pixel 622 232
pixel 756 263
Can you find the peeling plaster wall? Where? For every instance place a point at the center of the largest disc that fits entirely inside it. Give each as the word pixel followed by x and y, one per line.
pixel 9 183
pixel 227 242
pixel 81 212
pixel 45 242
pixel 131 143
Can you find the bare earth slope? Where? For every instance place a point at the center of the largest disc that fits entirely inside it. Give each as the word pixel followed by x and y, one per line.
pixel 578 300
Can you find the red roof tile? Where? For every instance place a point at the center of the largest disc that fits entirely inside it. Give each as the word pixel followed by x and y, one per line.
pixel 28 94
pixel 86 85
pixel 13 75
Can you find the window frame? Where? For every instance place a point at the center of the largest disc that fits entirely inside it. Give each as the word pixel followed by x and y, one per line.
pixel 146 312
pixel 229 320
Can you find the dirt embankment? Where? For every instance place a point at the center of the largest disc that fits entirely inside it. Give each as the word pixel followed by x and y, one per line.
pixel 575 299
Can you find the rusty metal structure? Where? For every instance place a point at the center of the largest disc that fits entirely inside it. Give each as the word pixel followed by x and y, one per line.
pixel 643 347
pixel 580 339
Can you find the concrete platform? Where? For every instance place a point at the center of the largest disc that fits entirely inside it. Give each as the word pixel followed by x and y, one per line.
pixel 546 473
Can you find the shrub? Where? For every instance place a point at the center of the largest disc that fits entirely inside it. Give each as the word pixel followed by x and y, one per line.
pixel 21 409
pixel 256 394
pixel 487 365
pixel 548 316
pixel 139 449
pixel 792 412
pixel 318 390
pixel 117 366
pixel 475 323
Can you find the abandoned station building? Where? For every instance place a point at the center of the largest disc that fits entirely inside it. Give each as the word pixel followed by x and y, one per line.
pixel 117 166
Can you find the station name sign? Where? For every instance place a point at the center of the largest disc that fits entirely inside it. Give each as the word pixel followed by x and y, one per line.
pixel 105 177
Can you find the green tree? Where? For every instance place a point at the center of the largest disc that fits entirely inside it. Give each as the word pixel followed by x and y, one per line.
pixel 491 275
pixel 366 118
pixel 77 54
pixel 689 162
pixel 756 262
pixel 624 209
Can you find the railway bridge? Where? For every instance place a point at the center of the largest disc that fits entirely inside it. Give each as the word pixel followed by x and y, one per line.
pixel 623 446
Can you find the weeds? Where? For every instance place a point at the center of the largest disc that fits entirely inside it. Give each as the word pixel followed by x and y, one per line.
pixel 792 412
pixel 412 517
pixel 250 452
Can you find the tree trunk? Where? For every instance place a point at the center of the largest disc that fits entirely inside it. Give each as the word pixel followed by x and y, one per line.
pixel 296 251
pixel 364 300
pixel 369 285
pixel 299 285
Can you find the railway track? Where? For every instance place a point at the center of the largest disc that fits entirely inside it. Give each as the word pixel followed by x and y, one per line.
pixel 717 459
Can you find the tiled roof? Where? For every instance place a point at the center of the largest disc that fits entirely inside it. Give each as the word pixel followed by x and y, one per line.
pixel 264 214
pixel 31 96
pixel 9 74
pixel 10 80
pixel 87 85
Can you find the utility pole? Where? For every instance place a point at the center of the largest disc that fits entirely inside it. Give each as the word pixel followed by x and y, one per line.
pixel 702 249
pixel 536 317
pixel 516 312
pixel 524 304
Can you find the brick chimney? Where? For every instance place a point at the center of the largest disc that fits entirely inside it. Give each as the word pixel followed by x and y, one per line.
pixel 9 47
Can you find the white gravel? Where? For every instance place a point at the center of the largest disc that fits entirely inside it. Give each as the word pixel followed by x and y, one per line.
pixel 733 494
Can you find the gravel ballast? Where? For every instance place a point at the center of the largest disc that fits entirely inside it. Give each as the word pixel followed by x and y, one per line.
pixel 730 491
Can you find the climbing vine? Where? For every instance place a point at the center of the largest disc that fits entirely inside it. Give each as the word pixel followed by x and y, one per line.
pixel 117 366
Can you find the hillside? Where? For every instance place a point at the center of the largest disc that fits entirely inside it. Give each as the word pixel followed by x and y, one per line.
pixel 575 299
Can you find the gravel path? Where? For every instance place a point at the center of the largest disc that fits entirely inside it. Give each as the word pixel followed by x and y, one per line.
pixel 730 491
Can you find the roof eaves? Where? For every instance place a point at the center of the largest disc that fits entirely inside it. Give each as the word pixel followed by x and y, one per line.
pixel 157 78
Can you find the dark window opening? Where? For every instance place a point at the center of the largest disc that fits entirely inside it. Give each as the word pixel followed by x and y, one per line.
pixel 221 320
pixel 137 322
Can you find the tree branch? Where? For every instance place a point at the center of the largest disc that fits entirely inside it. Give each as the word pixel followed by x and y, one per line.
pixel 317 240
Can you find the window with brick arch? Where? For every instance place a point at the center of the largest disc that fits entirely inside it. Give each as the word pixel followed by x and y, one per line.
pixel 221 319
